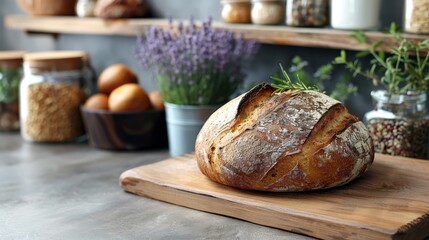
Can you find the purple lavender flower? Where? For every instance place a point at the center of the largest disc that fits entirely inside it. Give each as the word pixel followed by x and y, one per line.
pixel 195 65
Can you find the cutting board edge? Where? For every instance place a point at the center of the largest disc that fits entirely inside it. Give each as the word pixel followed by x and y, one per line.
pixel 129 183
pixel 413 229
pixel 418 225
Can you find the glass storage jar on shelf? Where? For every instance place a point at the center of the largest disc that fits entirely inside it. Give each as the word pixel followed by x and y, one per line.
pixel 85 8
pixel 307 13
pixel 416 16
pixel 51 94
pixel 236 11
pixel 267 12
pixel 10 77
pixel 399 125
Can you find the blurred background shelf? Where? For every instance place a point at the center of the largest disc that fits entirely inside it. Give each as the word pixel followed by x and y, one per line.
pixel 280 35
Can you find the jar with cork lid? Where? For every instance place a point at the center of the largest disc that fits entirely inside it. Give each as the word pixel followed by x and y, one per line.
pixel 10 78
pixel 51 94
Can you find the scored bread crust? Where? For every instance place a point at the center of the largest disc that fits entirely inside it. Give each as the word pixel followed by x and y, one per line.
pixel 280 142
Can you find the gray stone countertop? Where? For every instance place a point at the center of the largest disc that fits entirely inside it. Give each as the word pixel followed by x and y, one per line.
pixel 71 191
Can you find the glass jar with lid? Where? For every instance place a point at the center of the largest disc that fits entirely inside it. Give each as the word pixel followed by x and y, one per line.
pixel 399 125
pixel 416 16
pixel 10 77
pixel 51 94
pixel 236 11
pixel 307 13
pixel 267 12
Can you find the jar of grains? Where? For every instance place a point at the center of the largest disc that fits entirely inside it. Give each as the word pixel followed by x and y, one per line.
pixel 236 11
pixel 10 77
pixel 307 13
pixel 399 125
pixel 267 12
pixel 416 16
pixel 51 95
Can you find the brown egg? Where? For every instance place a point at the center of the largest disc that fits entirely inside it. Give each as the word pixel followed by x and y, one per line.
pixel 156 100
pixel 97 101
pixel 128 97
pixel 115 76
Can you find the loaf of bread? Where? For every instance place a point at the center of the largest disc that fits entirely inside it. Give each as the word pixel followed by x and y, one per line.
pixel 283 142
pixel 120 8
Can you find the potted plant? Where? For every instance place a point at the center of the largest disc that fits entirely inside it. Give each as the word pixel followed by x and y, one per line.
pixel 197 69
pixel 342 89
pixel 398 124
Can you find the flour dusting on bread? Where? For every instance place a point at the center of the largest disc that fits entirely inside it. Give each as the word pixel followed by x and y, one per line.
pixel 288 141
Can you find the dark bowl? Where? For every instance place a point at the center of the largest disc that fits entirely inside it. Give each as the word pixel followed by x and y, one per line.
pixel 125 130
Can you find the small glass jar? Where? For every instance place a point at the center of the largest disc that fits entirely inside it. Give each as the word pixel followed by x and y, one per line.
pixel 10 78
pixel 267 12
pixel 307 13
pixel 51 94
pixel 85 8
pixel 416 16
pixel 236 11
pixel 399 125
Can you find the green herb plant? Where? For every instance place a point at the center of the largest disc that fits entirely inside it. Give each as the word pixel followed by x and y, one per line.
pixel 405 70
pixel 305 81
pixel 9 85
pixel 286 83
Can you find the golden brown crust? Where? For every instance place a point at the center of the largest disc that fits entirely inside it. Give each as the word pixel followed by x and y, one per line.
pixel 291 141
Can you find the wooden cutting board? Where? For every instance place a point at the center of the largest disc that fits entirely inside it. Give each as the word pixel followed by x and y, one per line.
pixel 390 201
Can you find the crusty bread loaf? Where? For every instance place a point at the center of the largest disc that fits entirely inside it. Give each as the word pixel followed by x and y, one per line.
pixel 120 8
pixel 289 141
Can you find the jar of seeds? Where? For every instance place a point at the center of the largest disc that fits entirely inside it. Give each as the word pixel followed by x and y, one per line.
pixel 10 78
pixel 416 16
pixel 399 125
pixel 267 12
pixel 51 95
pixel 307 13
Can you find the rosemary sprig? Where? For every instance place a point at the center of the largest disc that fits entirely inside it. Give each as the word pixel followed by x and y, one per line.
pixel 286 83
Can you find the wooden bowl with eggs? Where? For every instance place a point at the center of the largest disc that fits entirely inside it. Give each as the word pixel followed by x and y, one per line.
pixel 125 130
pixel 123 116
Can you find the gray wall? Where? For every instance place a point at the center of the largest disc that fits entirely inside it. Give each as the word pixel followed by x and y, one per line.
pixel 106 50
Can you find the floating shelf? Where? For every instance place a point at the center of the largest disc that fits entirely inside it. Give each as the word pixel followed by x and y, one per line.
pixel 280 35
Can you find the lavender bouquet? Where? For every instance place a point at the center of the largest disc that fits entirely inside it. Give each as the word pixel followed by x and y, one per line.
pixel 195 66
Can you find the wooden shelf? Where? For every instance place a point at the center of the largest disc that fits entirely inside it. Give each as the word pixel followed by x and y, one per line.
pixel 281 35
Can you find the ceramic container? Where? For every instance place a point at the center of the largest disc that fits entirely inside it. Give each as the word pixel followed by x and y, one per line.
pixel 355 14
